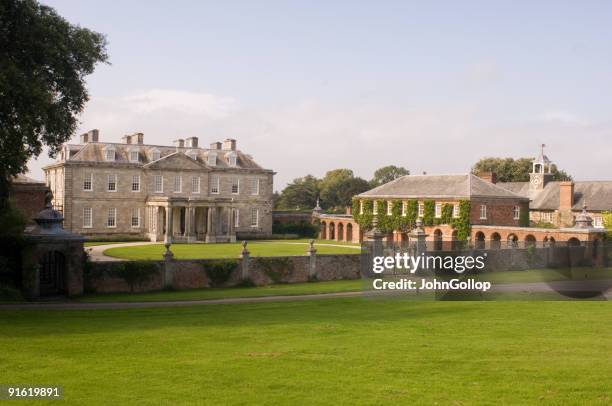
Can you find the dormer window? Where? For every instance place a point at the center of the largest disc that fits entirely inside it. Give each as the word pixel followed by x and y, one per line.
pixel 109 154
pixel 193 155
pixel 155 155
pixel 212 159
pixel 232 159
pixel 134 156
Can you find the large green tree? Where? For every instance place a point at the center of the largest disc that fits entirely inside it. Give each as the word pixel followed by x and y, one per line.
pixel 387 174
pixel 513 170
pixel 301 194
pixel 43 63
pixel 338 188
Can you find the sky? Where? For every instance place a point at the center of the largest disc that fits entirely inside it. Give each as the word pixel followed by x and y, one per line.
pixel 306 87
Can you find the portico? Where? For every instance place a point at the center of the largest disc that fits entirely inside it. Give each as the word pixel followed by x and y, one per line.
pixel 190 220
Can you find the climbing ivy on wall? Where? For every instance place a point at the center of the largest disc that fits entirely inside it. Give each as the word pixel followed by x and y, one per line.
pixel 395 221
pixel 524 217
pixel 462 223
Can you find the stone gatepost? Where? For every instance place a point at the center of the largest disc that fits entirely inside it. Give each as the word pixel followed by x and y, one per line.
pixel 312 260
pixel 373 248
pixel 168 267
pixel 418 235
pixel 244 263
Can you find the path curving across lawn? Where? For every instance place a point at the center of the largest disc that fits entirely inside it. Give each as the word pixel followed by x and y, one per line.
pixel 228 250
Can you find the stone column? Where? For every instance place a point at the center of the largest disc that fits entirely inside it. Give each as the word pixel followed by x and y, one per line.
pixel 231 236
pixel 209 226
pixel 168 267
pixel 190 224
pixel 169 223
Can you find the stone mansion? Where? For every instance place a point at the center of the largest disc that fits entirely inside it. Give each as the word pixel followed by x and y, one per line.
pixel 171 193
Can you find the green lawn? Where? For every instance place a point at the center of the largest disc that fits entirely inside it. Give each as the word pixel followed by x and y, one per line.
pixel 96 243
pixel 293 289
pixel 336 351
pixel 225 250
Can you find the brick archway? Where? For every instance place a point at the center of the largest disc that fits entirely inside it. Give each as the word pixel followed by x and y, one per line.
pixel 323 231
pixel 340 232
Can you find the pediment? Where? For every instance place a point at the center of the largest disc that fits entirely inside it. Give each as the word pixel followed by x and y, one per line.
pixel 177 161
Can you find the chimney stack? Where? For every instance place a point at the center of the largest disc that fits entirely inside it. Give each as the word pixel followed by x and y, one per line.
pixel 229 144
pixel 191 142
pixel 488 176
pixel 138 138
pixel 180 143
pixel 90 136
pixel 215 145
pixel 566 195
pixel 126 139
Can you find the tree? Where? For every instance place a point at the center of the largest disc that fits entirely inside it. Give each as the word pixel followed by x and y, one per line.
pixel 513 170
pixel 338 188
pixel 301 194
pixel 43 63
pixel 387 174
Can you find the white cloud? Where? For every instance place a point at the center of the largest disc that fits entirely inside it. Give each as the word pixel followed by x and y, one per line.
pixel 155 100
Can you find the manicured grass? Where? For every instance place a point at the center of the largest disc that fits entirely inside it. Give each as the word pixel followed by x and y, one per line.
pixel 337 351
pixel 224 250
pixel 96 243
pixel 223 293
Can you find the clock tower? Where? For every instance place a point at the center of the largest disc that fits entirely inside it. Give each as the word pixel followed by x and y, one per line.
pixel 540 172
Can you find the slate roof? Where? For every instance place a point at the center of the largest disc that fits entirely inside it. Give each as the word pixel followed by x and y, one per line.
pixel 94 152
pixel 598 195
pixel 22 179
pixel 439 186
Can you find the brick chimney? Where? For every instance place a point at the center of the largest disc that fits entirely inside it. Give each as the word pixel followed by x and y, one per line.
pixel 191 142
pixel 180 143
pixel 138 138
pixel 229 144
pixel 488 176
pixel 566 195
pixel 215 145
pixel 126 139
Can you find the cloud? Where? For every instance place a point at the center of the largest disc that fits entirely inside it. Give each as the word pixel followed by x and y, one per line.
pixel 155 100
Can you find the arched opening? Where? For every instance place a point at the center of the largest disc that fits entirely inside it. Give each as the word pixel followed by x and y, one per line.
pixel 512 240
pixel 479 239
pixel 323 232
pixel 437 238
pixel 495 241
pixel 51 273
pixel 530 241
pixel 349 232
pixel 340 232
pixel 332 231
pixel 454 244
pixel 573 242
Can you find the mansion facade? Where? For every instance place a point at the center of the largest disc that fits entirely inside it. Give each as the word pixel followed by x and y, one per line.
pixel 182 193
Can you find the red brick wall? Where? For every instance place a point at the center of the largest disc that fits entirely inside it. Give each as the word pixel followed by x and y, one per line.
pixel 500 212
pixel 29 199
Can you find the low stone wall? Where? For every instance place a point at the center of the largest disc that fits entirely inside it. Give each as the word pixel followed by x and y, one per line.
pixel 108 277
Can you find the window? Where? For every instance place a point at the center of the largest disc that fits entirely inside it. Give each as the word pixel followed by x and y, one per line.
pixel 404 208
pixel 178 183
pixel 193 155
pixel 235 186
pixel 111 220
pixel 214 184
pixel 232 159
pixel 456 210
pixel 195 184
pixel 136 183
pixel 236 217
pixel 134 156
pixel 112 183
pixel 158 186
pixel 109 154
pixel 87 182
pixel 374 207
pixel 598 222
pixel 483 212
pixel 547 217
pixel 516 213
pixel 254 186
pixel 155 155
pixel 438 210
pixel 87 217
pixel 421 210
pixel 361 207
pixel 135 217
pixel 254 217
pixel 212 159
pixel 389 208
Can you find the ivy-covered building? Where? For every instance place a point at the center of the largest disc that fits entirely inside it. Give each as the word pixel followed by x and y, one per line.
pixel 447 204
